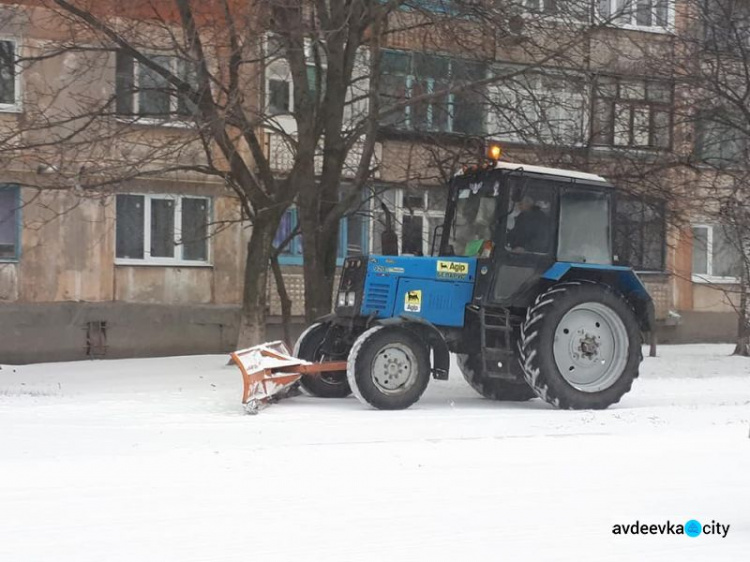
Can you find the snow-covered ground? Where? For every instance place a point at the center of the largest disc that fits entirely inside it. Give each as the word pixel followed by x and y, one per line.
pixel 154 460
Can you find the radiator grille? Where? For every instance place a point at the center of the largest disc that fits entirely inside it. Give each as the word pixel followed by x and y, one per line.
pixel 377 296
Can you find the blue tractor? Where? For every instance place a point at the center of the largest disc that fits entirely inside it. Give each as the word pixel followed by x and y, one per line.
pixel 523 287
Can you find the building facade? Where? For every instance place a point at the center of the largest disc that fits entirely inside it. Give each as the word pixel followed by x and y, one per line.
pixel 134 271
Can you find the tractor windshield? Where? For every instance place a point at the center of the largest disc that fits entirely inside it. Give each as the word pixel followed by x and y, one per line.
pixel 475 215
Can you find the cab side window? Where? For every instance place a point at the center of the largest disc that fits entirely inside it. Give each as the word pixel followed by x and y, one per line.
pixel 584 227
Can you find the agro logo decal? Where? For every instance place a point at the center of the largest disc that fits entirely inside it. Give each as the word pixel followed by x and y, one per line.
pixel 452 269
pixel 413 301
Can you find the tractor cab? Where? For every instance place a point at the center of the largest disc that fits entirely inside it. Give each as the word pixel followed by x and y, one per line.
pixel 518 221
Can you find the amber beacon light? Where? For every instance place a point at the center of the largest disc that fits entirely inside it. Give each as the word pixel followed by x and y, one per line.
pixel 494 152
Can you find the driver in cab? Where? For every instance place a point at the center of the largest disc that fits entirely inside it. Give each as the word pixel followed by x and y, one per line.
pixel 530 232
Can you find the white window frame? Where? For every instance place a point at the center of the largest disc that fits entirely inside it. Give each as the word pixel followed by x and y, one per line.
pixel 278 69
pixel 709 277
pixel 568 96
pixel 165 261
pixel 398 216
pixel 613 18
pixel 555 16
pixel 17 105
pixel 172 120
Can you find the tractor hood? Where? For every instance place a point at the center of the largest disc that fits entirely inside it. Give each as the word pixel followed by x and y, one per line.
pixel 445 268
pixel 436 289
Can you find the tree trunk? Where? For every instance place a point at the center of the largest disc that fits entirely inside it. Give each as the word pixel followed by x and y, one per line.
pixel 254 294
pixel 319 257
pixel 743 321
pixel 286 302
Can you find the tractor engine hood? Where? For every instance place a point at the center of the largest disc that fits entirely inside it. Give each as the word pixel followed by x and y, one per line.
pixel 433 288
pixel 444 268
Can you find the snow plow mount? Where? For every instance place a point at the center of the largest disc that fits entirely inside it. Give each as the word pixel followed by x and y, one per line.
pixel 269 371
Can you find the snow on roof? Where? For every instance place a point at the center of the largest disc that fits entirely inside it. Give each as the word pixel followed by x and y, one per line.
pixel 549 171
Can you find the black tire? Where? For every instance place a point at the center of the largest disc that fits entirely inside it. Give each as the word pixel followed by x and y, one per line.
pixel 370 387
pixel 538 337
pixel 492 388
pixel 326 385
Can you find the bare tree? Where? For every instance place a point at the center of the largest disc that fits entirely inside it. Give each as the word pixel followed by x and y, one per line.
pixel 714 64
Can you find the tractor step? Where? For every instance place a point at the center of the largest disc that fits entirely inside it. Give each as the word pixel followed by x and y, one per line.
pixel 497 353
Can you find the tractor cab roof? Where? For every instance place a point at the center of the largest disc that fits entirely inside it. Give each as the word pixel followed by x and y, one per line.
pixel 543 170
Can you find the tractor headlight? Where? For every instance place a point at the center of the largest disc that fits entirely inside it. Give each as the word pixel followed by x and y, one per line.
pixel 350 298
pixel 341 300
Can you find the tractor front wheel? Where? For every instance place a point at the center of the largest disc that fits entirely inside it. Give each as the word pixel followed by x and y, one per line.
pixel 580 346
pixel 490 387
pixel 388 367
pixel 310 346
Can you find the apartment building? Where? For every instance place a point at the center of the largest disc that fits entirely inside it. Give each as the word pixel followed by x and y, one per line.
pixel 131 270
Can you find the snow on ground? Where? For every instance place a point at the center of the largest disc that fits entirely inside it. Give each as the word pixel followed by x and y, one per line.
pixel 154 460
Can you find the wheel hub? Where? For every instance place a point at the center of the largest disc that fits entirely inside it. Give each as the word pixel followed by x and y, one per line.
pixel 588 346
pixel 591 347
pixel 394 369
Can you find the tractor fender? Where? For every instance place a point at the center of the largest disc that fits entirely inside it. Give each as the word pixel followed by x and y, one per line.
pixel 621 278
pixel 430 334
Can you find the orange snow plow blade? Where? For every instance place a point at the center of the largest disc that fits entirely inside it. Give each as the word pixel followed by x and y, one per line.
pixel 268 370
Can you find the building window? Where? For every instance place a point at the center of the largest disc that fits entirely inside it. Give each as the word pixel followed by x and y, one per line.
pixel 651 15
pixel 726 24
pixel 578 10
pixel 632 113
pixel 720 140
pixel 279 82
pixel 9 222
pixel 278 96
pixel 716 255
pixel 9 85
pixel 409 75
pixel 584 232
pixel 353 231
pixel 640 232
pixel 539 107
pixel 415 214
pixel 142 92
pixel 162 229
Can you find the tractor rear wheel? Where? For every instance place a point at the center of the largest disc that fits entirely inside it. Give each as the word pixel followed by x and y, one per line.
pixel 388 367
pixel 490 387
pixel 580 346
pixel 309 347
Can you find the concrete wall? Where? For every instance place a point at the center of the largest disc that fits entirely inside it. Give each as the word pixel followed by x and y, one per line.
pixel 39 332
pixel 701 327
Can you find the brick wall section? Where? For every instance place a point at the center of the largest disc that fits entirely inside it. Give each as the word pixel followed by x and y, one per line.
pixel 295 288
pixel 660 290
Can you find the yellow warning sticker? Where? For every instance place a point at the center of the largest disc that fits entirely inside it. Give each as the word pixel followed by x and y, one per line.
pixel 413 301
pixel 452 269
